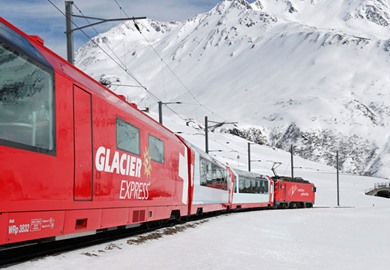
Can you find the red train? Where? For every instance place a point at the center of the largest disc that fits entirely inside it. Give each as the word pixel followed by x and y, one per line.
pixel 293 192
pixel 77 159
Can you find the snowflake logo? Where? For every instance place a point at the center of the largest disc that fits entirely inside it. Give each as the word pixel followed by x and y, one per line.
pixel 147 163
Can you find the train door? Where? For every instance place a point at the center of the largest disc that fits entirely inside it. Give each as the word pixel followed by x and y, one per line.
pixel 281 189
pixel 271 192
pixel 284 191
pixel 83 144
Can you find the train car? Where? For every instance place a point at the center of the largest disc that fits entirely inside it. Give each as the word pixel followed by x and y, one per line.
pixel 293 192
pixel 75 158
pixel 210 187
pixel 251 190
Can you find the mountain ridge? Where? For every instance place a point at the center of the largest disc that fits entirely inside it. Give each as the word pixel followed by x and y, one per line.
pixel 276 67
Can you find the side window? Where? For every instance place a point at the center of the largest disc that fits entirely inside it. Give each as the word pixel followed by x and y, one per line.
pixel 259 186
pixel 212 176
pixel 245 185
pixel 235 184
pixel 127 137
pixel 203 172
pixel 252 185
pixel 156 149
pixel 242 183
pixel 26 102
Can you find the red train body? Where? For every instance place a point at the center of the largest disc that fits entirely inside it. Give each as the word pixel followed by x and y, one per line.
pixel 77 159
pixel 97 163
pixel 292 193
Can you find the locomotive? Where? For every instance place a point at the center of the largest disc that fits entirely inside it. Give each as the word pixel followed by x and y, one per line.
pixel 77 159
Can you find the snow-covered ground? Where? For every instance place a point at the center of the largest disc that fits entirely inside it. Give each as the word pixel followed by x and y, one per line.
pixel 352 236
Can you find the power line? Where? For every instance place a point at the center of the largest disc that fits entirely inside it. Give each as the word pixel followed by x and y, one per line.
pixel 120 64
pixel 125 85
pixel 97 33
pixel 116 62
pixel 170 69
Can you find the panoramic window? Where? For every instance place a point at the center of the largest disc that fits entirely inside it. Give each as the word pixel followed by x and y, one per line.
pixel 212 175
pixel 156 149
pixel 127 137
pixel 252 185
pixel 26 102
pixel 265 184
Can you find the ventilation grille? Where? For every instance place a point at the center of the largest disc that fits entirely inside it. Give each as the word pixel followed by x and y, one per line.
pixel 138 215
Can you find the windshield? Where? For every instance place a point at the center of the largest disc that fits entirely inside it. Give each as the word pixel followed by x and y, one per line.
pixel 26 99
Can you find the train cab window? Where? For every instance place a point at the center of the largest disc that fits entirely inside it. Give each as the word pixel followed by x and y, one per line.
pixel 156 149
pixel 127 137
pixel 27 110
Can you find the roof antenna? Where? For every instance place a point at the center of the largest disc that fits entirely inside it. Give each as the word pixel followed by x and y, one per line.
pixel 274 166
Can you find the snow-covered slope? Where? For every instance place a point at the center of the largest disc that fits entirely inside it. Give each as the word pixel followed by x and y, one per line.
pixel 312 73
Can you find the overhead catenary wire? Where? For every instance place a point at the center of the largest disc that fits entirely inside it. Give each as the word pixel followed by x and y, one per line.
pixel 139 30
pixel 123 43
pixel 105 52
pixel 118 63
pixel 122 66
pixel 98 34
pixel 171 70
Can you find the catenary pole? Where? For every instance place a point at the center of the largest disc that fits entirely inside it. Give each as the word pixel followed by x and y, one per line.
pixel 69 31
pixel 206 127
pixel 292 162
pixel 338 178
pixel 69 28
pixel 249 156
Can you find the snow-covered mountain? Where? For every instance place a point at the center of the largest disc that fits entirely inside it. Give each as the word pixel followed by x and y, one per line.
pixel 310 73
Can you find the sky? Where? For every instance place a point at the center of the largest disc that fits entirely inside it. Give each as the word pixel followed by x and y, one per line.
pixel 40 17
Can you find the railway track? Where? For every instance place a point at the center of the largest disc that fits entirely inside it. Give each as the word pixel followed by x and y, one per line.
pixel 14 255
pixel 29 251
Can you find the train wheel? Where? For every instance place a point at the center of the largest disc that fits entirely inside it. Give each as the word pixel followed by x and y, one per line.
pixel 309 205
pixel 293 205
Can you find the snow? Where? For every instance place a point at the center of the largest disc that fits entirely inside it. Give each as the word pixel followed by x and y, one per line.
pixel 350 236
pixel 323 68
pixel 319 238
pixel 298 71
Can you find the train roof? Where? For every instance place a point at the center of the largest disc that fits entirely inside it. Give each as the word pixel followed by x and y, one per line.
pixel 289 179
pixel 201 153
pixel 247 173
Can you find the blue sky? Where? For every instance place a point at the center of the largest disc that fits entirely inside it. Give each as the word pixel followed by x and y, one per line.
pixel 40 17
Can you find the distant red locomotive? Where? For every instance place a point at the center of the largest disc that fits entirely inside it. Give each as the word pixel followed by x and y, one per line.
pixel 76 159
pixel 293 192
